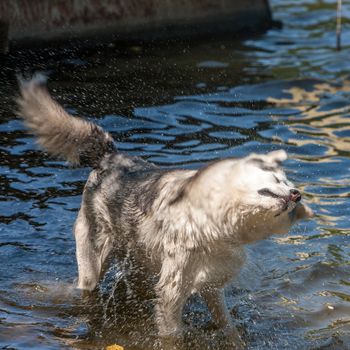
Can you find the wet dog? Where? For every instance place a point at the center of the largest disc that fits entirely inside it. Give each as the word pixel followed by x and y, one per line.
pixel 187 227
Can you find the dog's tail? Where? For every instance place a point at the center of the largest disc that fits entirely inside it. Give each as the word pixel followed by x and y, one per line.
pixel 74 139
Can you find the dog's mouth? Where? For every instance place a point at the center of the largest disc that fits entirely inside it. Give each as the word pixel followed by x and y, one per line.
pixel 287 201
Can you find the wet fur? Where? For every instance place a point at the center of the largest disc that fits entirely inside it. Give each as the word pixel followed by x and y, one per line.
pixel 187 227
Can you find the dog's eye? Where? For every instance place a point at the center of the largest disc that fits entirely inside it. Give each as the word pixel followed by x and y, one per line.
pixel 266 192
pixel 277 180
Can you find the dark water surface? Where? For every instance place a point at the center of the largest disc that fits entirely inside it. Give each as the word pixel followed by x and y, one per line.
pixel 184 105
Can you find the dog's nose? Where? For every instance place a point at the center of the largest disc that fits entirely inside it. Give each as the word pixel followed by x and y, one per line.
pixel 295 195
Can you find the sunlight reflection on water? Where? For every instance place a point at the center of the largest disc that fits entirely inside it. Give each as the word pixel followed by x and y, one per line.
pixel 285 89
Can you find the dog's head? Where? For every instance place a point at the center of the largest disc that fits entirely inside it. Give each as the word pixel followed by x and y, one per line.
pixel 253 192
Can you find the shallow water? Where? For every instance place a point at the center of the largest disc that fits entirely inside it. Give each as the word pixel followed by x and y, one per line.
pixel 184 105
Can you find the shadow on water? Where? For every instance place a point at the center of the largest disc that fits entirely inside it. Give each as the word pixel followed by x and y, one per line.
pixel 182 106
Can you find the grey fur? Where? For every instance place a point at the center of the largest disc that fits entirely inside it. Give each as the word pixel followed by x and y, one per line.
pixel 187 227
pixel 74 139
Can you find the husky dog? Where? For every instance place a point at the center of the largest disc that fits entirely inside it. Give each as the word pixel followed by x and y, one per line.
pixel 187 227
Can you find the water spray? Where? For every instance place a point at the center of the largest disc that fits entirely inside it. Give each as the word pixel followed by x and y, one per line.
pixel 339 5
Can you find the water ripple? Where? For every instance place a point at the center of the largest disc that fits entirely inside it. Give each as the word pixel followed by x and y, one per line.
pixel 285 89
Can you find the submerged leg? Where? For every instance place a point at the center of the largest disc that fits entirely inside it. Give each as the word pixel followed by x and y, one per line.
pixel 215 301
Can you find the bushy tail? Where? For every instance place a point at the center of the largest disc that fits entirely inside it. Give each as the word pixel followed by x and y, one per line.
pixel 74 139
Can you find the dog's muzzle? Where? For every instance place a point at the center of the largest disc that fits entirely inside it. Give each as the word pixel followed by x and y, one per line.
pixel 294 196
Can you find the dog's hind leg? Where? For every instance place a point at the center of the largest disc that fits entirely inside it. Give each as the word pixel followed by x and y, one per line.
pixel 90 256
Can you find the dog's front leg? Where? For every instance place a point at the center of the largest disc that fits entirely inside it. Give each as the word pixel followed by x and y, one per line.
pixel 173 289
pixel 215 300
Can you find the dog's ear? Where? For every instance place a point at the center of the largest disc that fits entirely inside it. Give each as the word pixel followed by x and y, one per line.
pixel 207 183
pixel 277 156
pixel 303 211
pixel 269 161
